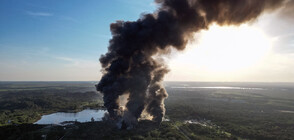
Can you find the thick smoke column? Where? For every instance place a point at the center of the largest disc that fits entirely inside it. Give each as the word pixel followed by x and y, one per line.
pixel 132 64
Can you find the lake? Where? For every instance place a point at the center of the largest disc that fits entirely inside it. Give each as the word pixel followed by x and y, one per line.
pixel 82 116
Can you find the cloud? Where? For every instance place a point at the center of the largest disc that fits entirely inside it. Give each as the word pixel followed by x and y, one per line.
pixel 41 14
pixel 72 62
pixel 47 14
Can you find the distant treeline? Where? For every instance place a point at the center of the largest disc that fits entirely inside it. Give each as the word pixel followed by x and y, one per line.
pixel 248 114
pixel 27 106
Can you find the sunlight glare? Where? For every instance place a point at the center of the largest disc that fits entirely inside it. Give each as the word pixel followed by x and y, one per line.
pixel 228 48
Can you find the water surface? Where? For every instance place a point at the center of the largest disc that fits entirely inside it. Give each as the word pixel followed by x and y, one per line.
pixel 83 116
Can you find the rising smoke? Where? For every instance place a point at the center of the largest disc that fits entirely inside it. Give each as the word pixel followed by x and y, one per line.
pixel 132 66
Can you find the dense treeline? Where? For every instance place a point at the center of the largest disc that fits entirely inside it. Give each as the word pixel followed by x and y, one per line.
pixel 146 130
pixel 214 113
pixel 252 116
pixel 27 106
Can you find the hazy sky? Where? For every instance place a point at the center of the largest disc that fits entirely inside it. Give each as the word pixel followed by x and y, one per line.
pixel 62 41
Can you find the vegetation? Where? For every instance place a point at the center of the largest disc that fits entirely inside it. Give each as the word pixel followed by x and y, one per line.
pixel 27 106
pixel 146 130
pixel 251 114
pixel 195 113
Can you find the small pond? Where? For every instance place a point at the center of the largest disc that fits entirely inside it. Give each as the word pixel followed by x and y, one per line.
pixel 83 116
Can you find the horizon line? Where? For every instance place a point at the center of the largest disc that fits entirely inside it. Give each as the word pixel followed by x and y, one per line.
pixel 163 81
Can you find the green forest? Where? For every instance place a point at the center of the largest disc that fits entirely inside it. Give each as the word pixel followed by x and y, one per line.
pixel 190 113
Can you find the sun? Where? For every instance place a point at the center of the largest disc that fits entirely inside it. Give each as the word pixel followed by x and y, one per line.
pixel 231 47
pixel 221 50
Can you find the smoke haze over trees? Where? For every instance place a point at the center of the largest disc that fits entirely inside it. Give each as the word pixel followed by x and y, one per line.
pixel 133 65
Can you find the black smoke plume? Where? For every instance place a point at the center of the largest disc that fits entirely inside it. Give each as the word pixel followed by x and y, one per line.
pixel 132 64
